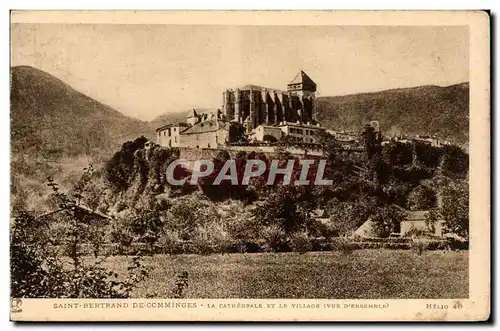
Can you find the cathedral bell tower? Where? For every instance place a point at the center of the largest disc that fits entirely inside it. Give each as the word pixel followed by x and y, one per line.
pixel 303 89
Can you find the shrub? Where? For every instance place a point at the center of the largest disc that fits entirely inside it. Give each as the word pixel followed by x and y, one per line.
pixel 300 242
pixel 243 229
pixel 269 138
pixel 37 270
pixel 169 242
pixel 401 240
pixel 189 213
pixel 414 232
pixel 419 246
pixel 458 244
pixel 122 236
pixel 319 244
pixel 274 237
pixel 437 244
pixel 210 239
pixel 342 245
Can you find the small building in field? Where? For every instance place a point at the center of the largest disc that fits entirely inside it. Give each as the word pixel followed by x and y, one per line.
pixel 366 230
pixel 414 221
pixel 417 221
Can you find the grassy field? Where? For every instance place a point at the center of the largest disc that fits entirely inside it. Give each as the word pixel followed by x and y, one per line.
pixel 362 274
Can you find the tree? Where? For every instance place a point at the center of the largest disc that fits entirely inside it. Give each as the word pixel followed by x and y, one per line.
pixel 328 144
pixel 379 169
pixel 347 216
pixel 454 162
pixel 119 169
pixel 147 223
pixel 421 198
pixel 385 219
pixel 288 207
pixel 454 210
pixel 372 141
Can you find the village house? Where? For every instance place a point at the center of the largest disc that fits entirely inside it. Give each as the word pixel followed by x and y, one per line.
pixel 415 221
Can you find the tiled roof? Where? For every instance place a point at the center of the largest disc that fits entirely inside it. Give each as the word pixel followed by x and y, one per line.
pixel 206 126
pixel 180 124
pixel 302 78
pixel 192 113
pixel 417 215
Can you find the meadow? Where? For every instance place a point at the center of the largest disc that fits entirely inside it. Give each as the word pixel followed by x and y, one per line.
pixel 363 274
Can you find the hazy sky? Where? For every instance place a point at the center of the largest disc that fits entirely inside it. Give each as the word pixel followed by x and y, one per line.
pixel 146 70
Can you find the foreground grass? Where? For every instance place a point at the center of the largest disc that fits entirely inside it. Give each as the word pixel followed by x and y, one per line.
pixel 330 275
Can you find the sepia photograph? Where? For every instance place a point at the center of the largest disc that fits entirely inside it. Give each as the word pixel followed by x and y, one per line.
pixel 169 161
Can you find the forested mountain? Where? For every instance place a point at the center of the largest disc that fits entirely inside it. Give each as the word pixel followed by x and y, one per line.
pixel 434 110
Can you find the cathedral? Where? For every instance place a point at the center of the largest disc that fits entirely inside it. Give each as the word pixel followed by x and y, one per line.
pixel 254 105
pixel 252 114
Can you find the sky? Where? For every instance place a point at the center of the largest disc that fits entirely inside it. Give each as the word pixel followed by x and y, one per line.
pixel 148 70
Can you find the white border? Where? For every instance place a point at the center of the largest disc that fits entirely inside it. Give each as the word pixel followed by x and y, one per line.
pixel 257 4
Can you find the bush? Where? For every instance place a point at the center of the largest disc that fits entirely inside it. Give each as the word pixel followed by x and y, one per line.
pixel 437 245
pixel 401 240
pixel 210 239
pixel 414 232
pixel 458 244
pixel 300 242
pixel 342 245
pixel 269 138
pixel 169 242
pixel 274 238
pixel 419 246
pixel 122 236
pixel 39 272
pixel 36 272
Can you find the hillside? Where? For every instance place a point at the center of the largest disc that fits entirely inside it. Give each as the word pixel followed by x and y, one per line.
pixel 168 118
pixel 443 111
pixel 50 118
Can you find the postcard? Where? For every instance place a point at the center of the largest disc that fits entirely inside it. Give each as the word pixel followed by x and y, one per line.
pixel 250 166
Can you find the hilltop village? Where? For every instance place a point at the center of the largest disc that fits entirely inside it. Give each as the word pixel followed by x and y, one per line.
pixel 253 115
pixel 249 114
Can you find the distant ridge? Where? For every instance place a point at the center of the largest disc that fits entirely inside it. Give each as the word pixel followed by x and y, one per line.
pixel 428 109
pixel 49 117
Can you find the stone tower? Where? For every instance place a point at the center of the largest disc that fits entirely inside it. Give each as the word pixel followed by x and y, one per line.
pixel 304 88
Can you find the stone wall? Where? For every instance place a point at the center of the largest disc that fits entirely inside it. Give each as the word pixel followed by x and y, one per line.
pixel 192 154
